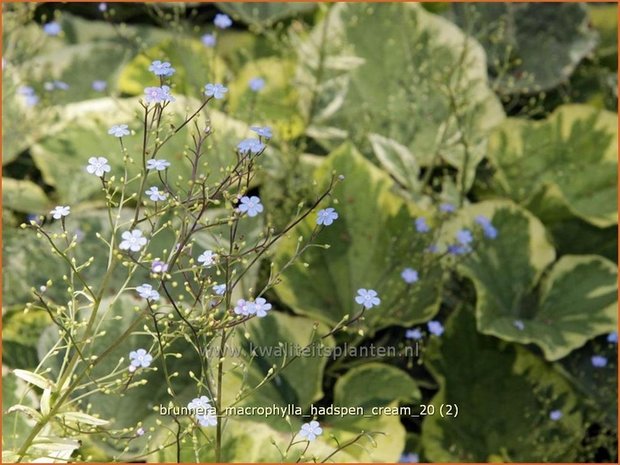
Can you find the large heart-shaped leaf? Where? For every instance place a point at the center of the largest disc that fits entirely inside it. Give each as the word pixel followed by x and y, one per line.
pixel 572 304
pixel 573 153
pixel 504 397
pixel 530 47
pixel 375 385
pixel 422 84
pixel 370 243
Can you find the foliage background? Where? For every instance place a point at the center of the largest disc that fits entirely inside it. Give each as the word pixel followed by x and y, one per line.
pixel 508 110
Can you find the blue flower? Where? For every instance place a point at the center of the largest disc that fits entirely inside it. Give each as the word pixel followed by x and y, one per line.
pixel 257 84
pixel 207 258
pixel 202 410
pixel 243 307
pixel 311 430
pixel 155 194
pixel 555 415
pixel 367 297
pixel 410 457
pixel 140 358
pixel 599 361
pixel 98 166
pixel 464 237
pixel 433 248
pixel 435 327
pixel 119 130
pixel 161 68
pixel 60 85
pixel 222 21
pixel 157 164
pixel 456 249
pixel 209 40
pixel 409 275
pixel 199 405
pixel 612 338
pixel 210 419
pixel 147 292
pixel 219 289
pixel 326 217
pixel 447 207
pixel 52 28
pixel 421 226
pixel 60 211
pixel 103 6
pixel 216 91
pixel 132 240
pixel 158 94
pixel 29 95
pixel 264 132
pixel 159 266
pixel 254 146
pixel 250 205
pixel 99 86
pixel 519 325
pixel 487 228
pixel 415 334
pixel 261 307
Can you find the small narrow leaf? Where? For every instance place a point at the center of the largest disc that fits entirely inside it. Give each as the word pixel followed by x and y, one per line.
pixel 34 378
pixel 80 417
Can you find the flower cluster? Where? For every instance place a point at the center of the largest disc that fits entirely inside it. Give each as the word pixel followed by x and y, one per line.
pixel 258 307
pixel 158 94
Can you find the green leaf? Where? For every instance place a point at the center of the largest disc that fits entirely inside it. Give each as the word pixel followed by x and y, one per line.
pixel 397 160
pixel 530 47
pixel 24 196
pixel 572 154
pixel 578 301
pixel 24 124
pixel 276 104
pixel 573 235
pixel 604 18
pixel 195 66
pixel 597 386
pixel 375 385
pixel 369 214
pixel 573 303
pixel 77 65
pixel 264 14
pixel 20 334
pixel 504 396
pixel 422 84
